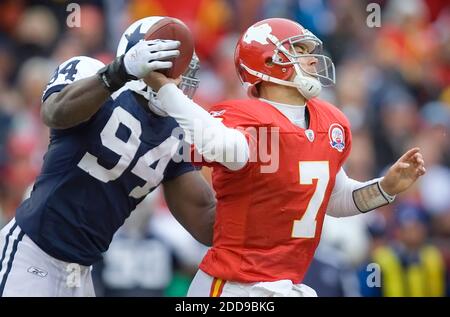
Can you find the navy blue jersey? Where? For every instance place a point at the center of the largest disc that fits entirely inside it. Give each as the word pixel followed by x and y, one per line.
pixel 96 173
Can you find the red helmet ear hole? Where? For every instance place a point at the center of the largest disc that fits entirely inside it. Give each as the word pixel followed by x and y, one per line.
pixel 269 62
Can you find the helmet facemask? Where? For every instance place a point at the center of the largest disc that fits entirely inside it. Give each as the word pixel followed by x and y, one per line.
pixel 323 69
pixel 189 80
pixel 189 84
pixel 311 76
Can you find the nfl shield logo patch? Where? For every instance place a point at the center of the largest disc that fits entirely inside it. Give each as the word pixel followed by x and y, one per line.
pixel 337 137
pixel 310 135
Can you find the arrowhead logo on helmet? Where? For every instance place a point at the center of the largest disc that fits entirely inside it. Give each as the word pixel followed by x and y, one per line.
pixel 258 34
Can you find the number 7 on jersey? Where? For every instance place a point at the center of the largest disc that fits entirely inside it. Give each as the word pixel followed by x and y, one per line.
pixel 306 226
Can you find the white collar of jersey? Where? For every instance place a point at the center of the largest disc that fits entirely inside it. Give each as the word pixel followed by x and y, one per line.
pixel 296 114
pixel 138 86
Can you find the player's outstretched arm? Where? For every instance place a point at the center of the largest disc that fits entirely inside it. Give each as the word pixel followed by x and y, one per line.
pixel 81 85
pixel 350 197
pixel 220 144
pixel 191 201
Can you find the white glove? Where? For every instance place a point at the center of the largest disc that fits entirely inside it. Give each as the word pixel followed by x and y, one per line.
pixel 147 56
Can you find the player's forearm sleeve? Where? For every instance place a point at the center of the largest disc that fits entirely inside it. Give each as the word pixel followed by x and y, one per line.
pixel 212 139
pixel 350 197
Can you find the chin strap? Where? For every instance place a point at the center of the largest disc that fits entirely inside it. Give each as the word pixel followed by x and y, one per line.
pixel 309 87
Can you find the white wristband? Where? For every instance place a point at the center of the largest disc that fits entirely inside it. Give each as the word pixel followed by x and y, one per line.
pixel 371 197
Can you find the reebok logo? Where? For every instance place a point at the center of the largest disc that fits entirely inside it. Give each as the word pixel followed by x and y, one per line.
pixel 36 271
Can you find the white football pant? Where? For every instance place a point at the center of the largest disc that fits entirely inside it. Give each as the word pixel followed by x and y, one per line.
pixel 204 285
pixel 26 270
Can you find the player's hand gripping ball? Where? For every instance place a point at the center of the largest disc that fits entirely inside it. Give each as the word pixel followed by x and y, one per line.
pixel 174 29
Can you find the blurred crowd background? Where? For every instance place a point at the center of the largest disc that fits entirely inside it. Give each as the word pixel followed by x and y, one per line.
pixel 393 83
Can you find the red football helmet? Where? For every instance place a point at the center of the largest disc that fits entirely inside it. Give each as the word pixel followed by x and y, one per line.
pixel 268 51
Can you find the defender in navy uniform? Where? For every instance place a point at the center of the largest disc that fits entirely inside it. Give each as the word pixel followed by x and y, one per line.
pixel 107 151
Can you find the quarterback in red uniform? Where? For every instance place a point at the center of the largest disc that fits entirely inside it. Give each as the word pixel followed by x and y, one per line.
pixel 270 212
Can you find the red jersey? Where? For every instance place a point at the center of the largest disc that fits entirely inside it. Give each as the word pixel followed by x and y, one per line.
pixel 268 224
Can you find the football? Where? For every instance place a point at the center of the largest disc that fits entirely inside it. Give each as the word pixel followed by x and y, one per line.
pixel 174 29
